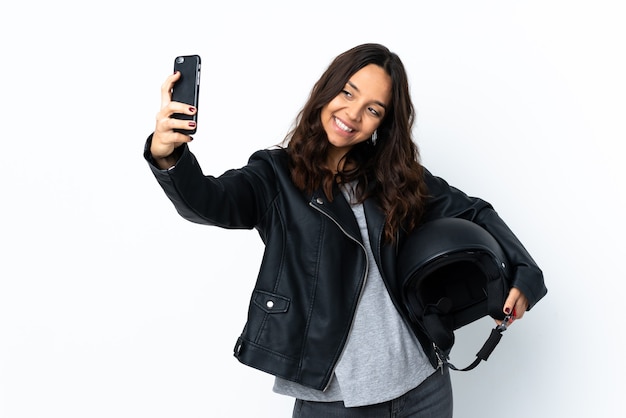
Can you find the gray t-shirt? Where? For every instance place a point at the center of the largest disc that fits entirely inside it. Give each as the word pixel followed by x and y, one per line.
pixel 382 358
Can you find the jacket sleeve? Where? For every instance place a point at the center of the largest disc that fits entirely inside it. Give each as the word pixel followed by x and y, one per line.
pixel 447 201
pixel 233 200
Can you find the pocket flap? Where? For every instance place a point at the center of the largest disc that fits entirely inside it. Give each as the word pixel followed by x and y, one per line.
pixel 271 302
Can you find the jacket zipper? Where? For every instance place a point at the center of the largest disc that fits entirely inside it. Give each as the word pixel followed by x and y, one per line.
pixel 362 285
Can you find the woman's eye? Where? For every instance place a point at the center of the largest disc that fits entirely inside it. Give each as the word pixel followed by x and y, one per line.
pixel 374 111
pixel 346 93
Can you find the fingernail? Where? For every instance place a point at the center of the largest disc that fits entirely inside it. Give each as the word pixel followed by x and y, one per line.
pixel 192 109
pixel 507 310
pixel 192 124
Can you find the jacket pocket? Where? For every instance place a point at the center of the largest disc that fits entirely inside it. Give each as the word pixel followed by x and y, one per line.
pixel 270 302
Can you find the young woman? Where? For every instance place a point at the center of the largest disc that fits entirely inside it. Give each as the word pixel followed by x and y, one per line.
pixel 333 206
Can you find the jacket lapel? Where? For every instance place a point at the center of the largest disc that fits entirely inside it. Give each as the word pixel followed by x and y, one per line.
pixel 384 254
pixel 339 210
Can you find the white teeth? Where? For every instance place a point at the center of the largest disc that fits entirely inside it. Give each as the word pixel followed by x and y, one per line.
pixel 343 126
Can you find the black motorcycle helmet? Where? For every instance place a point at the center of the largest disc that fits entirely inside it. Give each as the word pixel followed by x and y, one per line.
pixel 453 273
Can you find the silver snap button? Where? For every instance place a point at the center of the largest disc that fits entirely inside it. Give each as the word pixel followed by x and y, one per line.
pixel 270 304
pixel 319 201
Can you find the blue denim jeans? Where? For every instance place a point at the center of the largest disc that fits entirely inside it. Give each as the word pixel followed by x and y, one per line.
pixel 431 399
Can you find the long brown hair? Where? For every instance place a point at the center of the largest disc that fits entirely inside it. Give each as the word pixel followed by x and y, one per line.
pixel 388 170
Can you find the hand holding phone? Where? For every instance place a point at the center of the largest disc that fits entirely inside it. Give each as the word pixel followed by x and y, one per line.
pixel 187 88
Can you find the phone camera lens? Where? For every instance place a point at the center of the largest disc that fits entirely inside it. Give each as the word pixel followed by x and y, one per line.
pixel 180 60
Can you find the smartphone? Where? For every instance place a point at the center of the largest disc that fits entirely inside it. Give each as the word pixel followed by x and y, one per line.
pixel 187 88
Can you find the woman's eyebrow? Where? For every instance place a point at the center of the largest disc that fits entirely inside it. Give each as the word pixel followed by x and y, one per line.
pixel 351 84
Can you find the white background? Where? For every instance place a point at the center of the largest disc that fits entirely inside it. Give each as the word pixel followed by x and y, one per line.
pixel 111 305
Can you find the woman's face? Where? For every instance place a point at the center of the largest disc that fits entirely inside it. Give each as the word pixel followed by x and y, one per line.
pixel 355 113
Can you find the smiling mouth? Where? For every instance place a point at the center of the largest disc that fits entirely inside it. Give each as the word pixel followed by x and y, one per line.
pixel 343 126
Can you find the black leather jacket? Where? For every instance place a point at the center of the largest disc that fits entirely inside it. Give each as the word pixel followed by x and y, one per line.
pixel 314 264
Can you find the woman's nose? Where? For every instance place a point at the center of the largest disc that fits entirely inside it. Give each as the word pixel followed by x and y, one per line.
pixel 353 112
